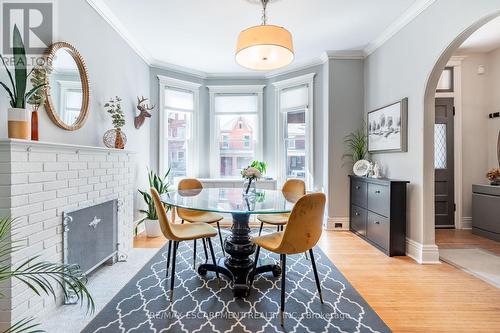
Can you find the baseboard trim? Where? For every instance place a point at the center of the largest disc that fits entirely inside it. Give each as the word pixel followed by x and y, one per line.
pixel 422 254
pixel 337 224
pixel 466 223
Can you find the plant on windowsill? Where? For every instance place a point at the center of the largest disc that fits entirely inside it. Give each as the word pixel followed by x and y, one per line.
pixel 41 277
pixel 251 174
pixel 18 115
pixel 162 185
pixel 115 138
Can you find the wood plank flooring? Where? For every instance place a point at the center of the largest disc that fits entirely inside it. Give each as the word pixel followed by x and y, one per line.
pixel 409 297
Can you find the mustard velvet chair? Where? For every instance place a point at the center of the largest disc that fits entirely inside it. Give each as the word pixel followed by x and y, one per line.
pixel 292 187
pixel 301 234
pixel 194 216
pixel 176 233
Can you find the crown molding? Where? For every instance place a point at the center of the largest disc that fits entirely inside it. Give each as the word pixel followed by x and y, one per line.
pixel 295 81
pixel 107 14
pixel 409 15
pixel 183 84
pixel 178 69
pixel 295 67
pixel 343 55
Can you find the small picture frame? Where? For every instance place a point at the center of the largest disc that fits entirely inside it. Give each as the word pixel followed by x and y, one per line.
pixel 388 128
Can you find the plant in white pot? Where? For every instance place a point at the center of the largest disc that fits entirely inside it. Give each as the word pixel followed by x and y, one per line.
pixel 18 115
pixel 161 184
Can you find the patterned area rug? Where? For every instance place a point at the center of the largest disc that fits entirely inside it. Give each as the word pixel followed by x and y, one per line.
pixel 200 306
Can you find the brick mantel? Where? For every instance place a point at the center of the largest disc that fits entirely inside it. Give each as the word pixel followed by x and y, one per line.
pixel 41 180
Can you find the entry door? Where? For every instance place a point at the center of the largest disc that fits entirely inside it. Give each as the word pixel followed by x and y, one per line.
pixel 444 164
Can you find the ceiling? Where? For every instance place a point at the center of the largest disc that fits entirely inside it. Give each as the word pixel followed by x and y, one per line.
pixel 484 40
pixel 201 34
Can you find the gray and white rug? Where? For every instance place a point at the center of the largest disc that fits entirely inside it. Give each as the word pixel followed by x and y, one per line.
pixel 201 306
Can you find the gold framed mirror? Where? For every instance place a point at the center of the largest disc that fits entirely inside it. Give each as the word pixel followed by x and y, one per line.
pixel 67 90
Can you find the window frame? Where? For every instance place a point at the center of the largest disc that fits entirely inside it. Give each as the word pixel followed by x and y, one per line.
pixel 166 82
pixel 258 90
pixel 280 86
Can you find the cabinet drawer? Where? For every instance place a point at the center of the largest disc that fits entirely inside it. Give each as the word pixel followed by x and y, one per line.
pixel 377 229
pixel 358 219
pixel 379 199
pixel 358 193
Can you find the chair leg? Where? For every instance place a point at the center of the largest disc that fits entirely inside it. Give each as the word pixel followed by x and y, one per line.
pixel 316 277
pixel 278 228
pixel 168 256
pixel 182 222
pixel 221 241
pixel 252 277
pixel 261 226
pixel 214 261
pixel 283 279
pixel 205 249
pixel 172 278
pixel 307 257
pixel 194 254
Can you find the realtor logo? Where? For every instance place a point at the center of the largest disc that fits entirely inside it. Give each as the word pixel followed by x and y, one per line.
pixel 35 22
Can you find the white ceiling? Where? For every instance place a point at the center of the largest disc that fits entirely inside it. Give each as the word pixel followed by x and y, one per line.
pixel 201 34
pixel 484 40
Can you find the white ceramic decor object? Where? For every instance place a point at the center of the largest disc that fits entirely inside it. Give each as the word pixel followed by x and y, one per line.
pixel 361 168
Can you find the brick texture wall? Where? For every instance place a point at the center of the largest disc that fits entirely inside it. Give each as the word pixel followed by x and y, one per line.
pixel 38 182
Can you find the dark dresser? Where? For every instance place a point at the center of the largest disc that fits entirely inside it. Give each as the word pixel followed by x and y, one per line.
pixel 378 213
pixel 486 211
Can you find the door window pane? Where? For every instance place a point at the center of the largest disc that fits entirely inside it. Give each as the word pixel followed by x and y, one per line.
pixel 295 143
pixel 440 148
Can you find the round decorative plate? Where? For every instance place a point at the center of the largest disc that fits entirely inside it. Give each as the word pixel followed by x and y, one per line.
pixel 361 168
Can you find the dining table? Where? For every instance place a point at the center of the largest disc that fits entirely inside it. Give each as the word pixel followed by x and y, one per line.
pixel 237 265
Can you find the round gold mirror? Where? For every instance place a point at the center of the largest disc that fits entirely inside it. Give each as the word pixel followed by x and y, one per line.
pixel 67 89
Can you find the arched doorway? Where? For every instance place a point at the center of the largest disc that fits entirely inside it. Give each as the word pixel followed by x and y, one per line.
pixel 429 121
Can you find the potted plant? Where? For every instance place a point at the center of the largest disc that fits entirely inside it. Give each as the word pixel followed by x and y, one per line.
pixel 115 138
pixel 38 79
pixel 356 146
pixel 162 185
pixel 251 174
pixel 18 116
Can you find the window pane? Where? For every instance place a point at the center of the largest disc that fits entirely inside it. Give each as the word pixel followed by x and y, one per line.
pixel 295 144
pixel 440 148
pixel 178 129
pixel 74 99
pixel 295 97
pixel 179 99
pixel 236 143
pixel 236 103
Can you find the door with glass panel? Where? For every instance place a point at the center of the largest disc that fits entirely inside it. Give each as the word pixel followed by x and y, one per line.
pixel 444 164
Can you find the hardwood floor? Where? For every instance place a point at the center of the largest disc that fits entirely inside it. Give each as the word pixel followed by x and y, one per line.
pixel 409 297
pixel 461 239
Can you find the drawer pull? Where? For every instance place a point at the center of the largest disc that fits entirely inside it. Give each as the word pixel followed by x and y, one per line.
pixel 357 214
pixel 377 192
pixel 377 222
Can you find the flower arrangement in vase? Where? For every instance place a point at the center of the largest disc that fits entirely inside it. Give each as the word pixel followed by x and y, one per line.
pixel 251 174
pixel 38 79
pixel 494 176
pixel 115 138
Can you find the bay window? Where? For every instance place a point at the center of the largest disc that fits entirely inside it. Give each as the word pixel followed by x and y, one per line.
pixel 236 130
pixel 179 104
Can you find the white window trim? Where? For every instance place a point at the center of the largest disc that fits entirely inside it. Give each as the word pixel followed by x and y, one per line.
pixel 214 147
pixel 279 86
pixel 64 87
pixel 168 82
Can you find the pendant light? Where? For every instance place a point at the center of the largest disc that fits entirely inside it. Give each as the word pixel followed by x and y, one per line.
pixel 264 47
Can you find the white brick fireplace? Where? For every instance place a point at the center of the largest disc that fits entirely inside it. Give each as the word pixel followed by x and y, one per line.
pixel 38 182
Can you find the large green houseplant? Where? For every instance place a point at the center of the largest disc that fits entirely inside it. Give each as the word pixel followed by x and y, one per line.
pixel 40 276
pixel 356 145
pixel 162 185
pixel 18 115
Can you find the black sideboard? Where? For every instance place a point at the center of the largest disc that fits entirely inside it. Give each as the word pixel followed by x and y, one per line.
pixel 378 213
pixel 486 211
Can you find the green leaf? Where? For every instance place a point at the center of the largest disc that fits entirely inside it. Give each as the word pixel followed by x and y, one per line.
pixel 34 90
pixel 12 98
pixel 10 76
pixel 20 64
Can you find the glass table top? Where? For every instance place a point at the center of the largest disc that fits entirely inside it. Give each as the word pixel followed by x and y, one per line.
pixel 232 200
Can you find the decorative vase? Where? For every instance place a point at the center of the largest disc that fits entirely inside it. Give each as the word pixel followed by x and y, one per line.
pixel 34 125
pixel 19 124
pixel 115 138
pixel 250 187
pixel 153 228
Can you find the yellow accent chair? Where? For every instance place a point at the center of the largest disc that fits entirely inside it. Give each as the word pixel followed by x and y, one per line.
pixel 176 233
pixel 302 233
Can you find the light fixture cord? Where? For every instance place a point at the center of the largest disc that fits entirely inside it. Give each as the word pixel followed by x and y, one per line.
pixel 264 14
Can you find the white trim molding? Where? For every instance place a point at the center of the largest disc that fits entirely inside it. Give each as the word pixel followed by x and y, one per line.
pixel 466 223
pixel 422 254
pixel 331 222
pixel 307 80
pixel 213 90
pixel 165 82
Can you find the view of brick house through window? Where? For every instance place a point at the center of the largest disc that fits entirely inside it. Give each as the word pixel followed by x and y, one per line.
pixel 236 144
pixel 295 141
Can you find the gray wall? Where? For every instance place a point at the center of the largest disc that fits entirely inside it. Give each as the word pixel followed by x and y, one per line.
pixel 401 68
pixel 113 68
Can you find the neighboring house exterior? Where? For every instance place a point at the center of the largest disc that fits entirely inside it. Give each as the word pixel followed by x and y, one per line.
pixel 236 146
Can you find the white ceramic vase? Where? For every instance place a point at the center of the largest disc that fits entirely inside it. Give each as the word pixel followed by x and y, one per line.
pixel 152 228
pixel 19 125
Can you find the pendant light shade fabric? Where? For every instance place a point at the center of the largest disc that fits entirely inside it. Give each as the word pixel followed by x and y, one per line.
pixel 264 48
